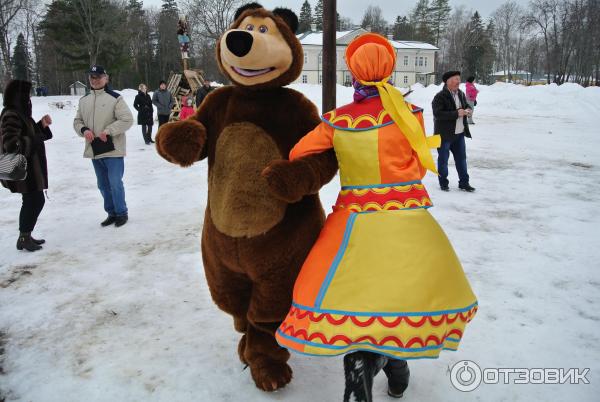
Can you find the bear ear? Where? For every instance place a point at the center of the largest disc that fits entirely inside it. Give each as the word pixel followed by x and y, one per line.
pixel 288 16
pixel 248 6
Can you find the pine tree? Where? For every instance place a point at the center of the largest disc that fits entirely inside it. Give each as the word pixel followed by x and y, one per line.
pixel 440 13
pixel 476 45
pixel 168 54
pixel 21 67
pixel 169 6
pixel 421 21
pixel 305 19
pixel 318 16
pixel 402 29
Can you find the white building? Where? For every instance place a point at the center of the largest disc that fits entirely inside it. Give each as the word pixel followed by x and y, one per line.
pixel 77 88
pixel 415 61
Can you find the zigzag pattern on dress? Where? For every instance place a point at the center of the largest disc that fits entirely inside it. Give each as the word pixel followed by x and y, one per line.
pixel 391 322
pixel 431 340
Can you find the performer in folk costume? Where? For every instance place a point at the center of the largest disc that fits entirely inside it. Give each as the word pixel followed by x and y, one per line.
pixel 183 37
pixel 382 284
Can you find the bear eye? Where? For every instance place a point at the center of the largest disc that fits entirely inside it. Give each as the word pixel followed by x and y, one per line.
pixel 249 27
pixel 263 29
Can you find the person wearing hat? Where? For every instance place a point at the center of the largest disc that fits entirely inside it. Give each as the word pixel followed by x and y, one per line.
pixel 450 114
pixel 164 102
pixel 102 119
pixel 382 283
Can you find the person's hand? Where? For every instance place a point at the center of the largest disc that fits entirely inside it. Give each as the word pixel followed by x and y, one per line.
pixel 103 135
pixel 89 135
pixel 462 112
pixel 469 112
pixel 46 121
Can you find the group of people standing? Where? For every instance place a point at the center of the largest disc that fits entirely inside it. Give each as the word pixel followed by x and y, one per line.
pixel 102 119
pixel 103 125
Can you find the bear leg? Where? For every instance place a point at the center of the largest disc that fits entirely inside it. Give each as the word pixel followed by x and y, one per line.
pixel 266 359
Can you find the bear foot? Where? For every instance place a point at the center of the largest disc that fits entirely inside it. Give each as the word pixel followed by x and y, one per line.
pixel 270 375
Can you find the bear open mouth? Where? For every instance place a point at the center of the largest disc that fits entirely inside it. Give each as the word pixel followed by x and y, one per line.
pixel 246 72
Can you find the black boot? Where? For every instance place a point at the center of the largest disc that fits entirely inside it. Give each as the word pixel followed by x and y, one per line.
pixel 26 242
pixel 40 241
pixel 398 374
pixel 121 220
pixel 466 187
pixel 359 369
pixel 108 221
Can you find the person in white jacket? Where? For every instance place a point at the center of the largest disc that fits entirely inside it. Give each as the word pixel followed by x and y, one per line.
pixel 102 119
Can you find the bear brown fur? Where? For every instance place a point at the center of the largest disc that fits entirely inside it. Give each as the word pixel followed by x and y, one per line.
pixel 261 220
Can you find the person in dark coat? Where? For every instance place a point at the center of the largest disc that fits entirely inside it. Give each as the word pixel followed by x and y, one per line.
pixel 145 118
pixel 450 113
pixel 20 134
pixel 201 93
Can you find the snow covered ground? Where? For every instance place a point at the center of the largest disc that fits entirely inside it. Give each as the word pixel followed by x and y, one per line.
pixel 125 315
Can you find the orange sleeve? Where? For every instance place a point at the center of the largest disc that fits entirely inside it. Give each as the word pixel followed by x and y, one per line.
pixel 318 140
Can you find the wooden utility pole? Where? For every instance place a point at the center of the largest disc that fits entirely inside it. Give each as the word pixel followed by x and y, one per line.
pixel 329 55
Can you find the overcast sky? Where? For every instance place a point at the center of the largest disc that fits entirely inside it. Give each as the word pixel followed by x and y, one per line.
pixel 354 9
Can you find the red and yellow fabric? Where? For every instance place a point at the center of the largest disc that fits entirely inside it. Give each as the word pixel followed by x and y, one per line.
pixel 382 276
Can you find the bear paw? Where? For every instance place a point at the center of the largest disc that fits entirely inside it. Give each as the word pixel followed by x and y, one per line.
pixel 285 180
pixel 181 142
pixel 271 375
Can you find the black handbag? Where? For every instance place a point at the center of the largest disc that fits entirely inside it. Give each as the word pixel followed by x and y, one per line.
pixel 13 167
pixel 100 147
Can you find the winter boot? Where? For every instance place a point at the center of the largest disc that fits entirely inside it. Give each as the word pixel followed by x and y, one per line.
pixel 121 220
pixel 108 221
pixel 466 187
pixel 359 369
pixel 40 241
pixel 398 374
pixel 26 242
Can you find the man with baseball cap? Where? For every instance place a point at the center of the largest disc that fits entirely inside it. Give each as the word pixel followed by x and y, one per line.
pixel 450 112
pixel 102 119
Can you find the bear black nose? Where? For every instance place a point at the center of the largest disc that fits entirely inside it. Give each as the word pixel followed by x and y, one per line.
pixel 239 42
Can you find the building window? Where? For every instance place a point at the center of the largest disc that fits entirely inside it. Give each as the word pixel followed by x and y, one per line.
pixel 421 61
pixel 305 57
pixel 425 61
pixel 406 79
pixel 416 61
pixel 320 58
pixel 320 78
pixel 304 79
pixel 406 60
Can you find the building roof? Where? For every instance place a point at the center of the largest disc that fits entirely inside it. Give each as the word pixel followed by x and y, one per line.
pixel 78 84
pixel 316 38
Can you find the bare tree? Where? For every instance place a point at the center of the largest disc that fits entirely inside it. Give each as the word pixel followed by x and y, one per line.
pixel 507 19
pixel 452 44
pixel 373 20
pixel 210 18
pixel 9 9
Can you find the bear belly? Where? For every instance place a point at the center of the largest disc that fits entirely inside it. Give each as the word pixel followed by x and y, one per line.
pixel 241 204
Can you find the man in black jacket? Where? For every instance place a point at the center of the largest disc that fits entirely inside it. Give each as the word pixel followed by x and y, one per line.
pixel 202 92
pixel 450 112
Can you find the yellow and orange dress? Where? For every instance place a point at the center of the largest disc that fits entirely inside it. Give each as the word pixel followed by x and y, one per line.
pixel 382 276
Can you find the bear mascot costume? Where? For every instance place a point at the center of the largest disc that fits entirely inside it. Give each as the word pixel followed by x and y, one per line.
pixel 261 220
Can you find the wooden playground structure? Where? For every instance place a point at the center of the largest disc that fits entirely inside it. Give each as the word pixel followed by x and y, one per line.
pixel 183 85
